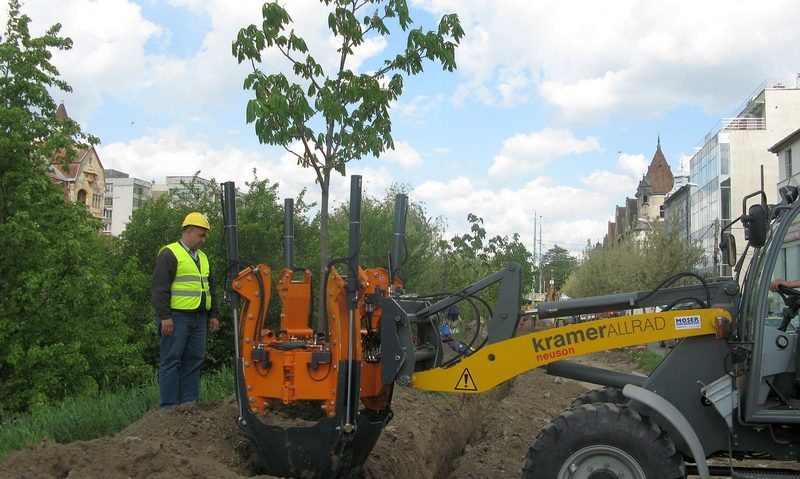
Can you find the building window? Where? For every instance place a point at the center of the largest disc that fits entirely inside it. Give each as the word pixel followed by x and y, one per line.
pixel 661 211
pixel 788 161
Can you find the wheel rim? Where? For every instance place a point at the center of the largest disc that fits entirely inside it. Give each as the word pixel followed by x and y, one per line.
pixel 601 462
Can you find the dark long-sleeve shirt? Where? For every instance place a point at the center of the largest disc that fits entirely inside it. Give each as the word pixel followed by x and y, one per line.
pixel 163 276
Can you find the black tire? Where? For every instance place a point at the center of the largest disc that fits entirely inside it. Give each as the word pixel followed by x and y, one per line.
pixel 607 394
pixel 602 441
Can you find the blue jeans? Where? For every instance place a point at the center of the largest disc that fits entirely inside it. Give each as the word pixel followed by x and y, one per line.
pixel 182 355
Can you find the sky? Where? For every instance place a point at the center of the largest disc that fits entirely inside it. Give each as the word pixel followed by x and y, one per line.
pixel 552 116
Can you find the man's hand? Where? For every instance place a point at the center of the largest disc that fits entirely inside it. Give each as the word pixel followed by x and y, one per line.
pixel 775 284
pixel 167 326
pixel 213 324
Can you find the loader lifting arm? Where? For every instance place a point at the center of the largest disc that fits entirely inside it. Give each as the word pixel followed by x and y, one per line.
pixel 497 363
pixel 505 356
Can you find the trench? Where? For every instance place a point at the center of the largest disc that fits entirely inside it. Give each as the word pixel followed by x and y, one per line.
pixel 428 433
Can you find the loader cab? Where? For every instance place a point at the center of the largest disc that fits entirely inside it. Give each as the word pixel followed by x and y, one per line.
pixel 768 377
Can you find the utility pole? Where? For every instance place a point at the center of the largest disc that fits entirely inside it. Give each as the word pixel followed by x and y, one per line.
pixel 534 255
pixel 541 279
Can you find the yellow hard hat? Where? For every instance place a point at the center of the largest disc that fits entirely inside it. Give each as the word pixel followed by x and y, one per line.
pixel 196 219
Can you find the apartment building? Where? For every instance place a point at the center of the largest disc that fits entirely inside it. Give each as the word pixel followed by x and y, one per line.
pixel 177 184
pixel 733 160
pixel 123 196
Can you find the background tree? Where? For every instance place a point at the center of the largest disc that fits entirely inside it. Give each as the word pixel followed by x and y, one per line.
pixel 56 340
pixel 377 225
pixel 634 265
pixel 557 265
pixel 328 118
pixel 469 257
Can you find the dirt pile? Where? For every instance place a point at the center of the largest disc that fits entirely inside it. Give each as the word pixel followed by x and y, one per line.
pixel 431 435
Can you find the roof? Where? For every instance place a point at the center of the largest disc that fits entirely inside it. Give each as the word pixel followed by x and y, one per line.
pixel 659 173
pixel 69 172
pixel 679 193
pixel 61 112
pixel 786 141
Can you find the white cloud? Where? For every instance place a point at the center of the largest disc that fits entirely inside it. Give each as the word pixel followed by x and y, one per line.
pixel 172 153
pixel 635 165
pixel 417 107
pixel 110 56
pixel 611 184
pixel 403 154
pixel 523 153
pixel 566 212
pixel 108 46
pixel 512 86
pixel 589 59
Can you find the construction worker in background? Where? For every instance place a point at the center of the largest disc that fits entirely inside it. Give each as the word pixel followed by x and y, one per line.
pixel 450 327
pixel 186 308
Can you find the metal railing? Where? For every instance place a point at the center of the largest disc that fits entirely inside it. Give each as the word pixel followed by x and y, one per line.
pixel 740 123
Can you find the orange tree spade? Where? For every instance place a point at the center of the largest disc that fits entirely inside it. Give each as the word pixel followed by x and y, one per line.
pixel 327 118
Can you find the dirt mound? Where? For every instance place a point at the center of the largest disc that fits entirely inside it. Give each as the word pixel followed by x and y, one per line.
pixel 431 435
pixel 189 441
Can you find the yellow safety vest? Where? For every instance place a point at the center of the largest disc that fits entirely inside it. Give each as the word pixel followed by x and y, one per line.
pixel 189 283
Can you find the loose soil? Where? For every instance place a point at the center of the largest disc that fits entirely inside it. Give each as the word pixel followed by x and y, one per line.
pixel 432 435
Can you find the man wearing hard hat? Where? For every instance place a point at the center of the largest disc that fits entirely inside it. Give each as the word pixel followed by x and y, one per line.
pixel 186 309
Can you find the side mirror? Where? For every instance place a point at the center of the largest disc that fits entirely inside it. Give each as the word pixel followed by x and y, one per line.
pixel 755 225
pixel 727 245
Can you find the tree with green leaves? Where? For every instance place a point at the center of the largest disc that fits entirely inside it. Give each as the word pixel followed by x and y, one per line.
pixel 469 257
pixel 377 231
pixel 634 264
pixel 329 118
pixel 63 328
pixel 557 265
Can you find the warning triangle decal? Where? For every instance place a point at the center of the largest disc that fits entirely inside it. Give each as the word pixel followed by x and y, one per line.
pixel 465 382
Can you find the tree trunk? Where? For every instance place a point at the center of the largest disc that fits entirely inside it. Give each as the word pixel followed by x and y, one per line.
pixel 324 252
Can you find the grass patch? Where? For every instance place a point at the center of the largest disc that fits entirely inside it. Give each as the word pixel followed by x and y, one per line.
pixel 101 415
pixel 647 360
